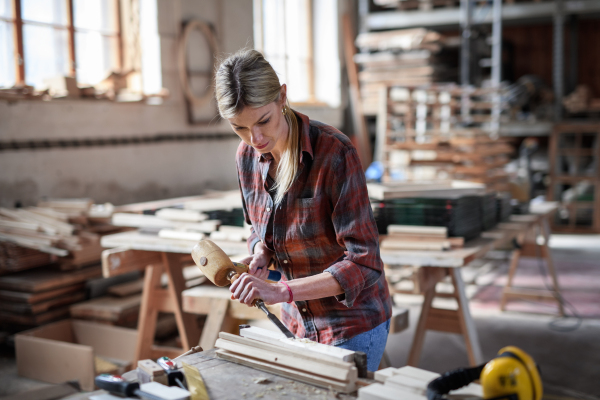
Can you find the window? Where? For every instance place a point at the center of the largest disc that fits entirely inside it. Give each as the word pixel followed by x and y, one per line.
pixel 41 39
pixel 286 33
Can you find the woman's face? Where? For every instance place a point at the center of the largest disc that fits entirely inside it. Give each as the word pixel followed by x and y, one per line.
pixel 263 128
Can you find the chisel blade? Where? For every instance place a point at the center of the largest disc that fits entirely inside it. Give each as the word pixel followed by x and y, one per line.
pixel 260 304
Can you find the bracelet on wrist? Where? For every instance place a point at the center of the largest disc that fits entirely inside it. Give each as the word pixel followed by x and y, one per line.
pixel 289 291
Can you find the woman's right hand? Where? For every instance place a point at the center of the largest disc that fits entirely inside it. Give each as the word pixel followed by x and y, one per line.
pixel 259 262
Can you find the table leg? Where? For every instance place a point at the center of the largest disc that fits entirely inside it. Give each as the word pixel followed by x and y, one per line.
pixel 514 262
pixel 419 337
pixel 186 323
pixel 466 321
pixel 545 228
pixel 214 323
pixel 148 314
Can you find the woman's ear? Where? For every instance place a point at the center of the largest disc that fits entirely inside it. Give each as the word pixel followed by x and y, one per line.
pixel 283 95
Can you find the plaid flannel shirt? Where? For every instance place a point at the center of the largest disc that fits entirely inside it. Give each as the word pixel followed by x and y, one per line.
pixel 324 223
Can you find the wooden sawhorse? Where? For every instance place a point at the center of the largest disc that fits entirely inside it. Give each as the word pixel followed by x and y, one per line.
pixel 133 251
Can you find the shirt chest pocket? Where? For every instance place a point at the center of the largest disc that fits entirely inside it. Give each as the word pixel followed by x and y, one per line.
pixel 309 220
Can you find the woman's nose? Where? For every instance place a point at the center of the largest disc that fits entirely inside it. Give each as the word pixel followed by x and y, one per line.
pixel 256 136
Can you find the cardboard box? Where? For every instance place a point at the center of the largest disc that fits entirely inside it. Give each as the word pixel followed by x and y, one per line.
pixel 65 350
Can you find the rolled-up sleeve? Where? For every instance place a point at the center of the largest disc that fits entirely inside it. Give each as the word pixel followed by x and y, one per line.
pixel 355 228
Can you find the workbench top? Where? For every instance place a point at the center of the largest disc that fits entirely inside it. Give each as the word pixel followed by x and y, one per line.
pixel 228 380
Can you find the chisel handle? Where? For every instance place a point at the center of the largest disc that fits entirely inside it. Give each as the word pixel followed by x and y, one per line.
pixel 274 276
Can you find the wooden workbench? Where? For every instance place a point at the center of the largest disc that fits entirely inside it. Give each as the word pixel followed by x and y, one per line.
pixel 131 251
pixel 437 265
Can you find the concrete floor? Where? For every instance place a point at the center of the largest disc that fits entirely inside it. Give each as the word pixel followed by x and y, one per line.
pixel 569 361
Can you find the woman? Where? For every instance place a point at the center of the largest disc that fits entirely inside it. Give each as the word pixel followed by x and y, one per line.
pixel 304 193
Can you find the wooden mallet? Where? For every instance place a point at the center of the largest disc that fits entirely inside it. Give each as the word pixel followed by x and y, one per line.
pixel 218 267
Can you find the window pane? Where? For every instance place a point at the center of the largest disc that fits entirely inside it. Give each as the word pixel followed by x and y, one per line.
pixel 7 58
pixel 48 11
pixel 94 15
pixel 95 59
pixel 6 9
pixel 46 53
pixel 150 40
pixel 296 35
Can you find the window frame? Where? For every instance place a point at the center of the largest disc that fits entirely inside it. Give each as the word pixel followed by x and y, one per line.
pixel 259 45
pixel 19 55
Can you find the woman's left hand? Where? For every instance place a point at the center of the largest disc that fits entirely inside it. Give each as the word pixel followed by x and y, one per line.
pixel 248 287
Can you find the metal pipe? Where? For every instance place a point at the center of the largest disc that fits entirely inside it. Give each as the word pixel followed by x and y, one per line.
pixel 558 59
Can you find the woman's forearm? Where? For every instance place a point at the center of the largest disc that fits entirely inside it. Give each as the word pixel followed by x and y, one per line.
pixel 314 287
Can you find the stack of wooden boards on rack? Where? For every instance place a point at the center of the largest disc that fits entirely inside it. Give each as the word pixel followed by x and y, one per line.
pixel 402 237
pixel 444 132
pixel 63 231
pixel 36 297
pixel 217 216
pixel 408 383
pixel 403 57
pixel 300 359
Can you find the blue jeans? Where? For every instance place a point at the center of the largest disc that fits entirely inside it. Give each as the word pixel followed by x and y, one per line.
pixel 371 342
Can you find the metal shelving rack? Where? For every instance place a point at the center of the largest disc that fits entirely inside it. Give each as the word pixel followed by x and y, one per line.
pixel 469 15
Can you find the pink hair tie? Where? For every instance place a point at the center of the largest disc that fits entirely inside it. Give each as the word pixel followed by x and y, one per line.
pixel 289 291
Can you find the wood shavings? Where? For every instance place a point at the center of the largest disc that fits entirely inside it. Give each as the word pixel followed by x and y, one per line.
pixel 261 380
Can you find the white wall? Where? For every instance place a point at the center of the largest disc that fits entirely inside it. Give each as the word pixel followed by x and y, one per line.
pixel 127 173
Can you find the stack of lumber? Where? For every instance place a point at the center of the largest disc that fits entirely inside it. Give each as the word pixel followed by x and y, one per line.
pixel 405 237
pixel 403 57
pixel 444 132
pixel 313 363
pixel 64 231
pixel 581 101
pixel 32 298
pixel 409 383
pixel 460 215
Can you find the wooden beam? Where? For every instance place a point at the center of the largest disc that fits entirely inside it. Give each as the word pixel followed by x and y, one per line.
pixel 360 128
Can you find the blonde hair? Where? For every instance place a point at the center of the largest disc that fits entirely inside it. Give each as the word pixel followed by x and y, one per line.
pixel 246 79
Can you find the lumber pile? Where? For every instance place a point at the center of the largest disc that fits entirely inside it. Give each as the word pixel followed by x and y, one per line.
pixel 36 297
pixel 581 101
pixel 445 132
pixel 403 57
pixel 404 237
pixel 409 383
pixel 313 363
pixel 65 231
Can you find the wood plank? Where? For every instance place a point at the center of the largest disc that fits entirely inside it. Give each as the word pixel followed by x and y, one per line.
pixel 113 309
pixel 279 339
pixel 122 260
pixel 528 294
pixel 127 288
pixel 138 241
pixel 435 231
pixel 177 214
pixel 443 321
pixel 43 280
pixel 32 298
pixel 288 372
pixel 296 352
pixel 392 244
pixel 377 391
pixel 40 307
pixel 286 359
pixel 457 242
pixel 34 320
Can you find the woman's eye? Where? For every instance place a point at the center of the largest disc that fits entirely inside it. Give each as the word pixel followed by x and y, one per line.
pixel 264 122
